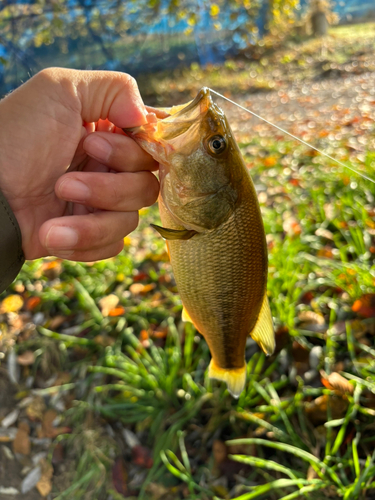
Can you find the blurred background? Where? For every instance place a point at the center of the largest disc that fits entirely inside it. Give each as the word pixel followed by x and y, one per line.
pixel 148 36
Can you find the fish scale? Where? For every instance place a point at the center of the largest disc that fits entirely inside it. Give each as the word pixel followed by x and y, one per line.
pixel 221 277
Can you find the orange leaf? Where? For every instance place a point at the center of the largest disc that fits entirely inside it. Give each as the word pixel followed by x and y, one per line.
pixel 117 311
pixel 365 306
pixel 337 382
pixel 270 161
pixel 32 303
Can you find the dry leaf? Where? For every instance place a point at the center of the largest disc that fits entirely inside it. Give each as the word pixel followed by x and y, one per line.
pixel 337 382
pixel 44 485
pixel 21 443
pixel 31 479
pixel 32 303
pixel 36 408
pixel 365 306
pixel 107 303
pixel 311 317
pixel 62 378
pixel 142 456
pixel 117 311
pixel 56 322
pixel 219 452
pixel 47 423
pixel 10 419
pixel 12 303
pixel 270 161
pixel 120 476
pixel 51 269
pixel 26 358
pixel 317 409
pixel 140 289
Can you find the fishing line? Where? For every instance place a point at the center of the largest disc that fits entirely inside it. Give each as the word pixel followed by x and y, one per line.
pixel 294 137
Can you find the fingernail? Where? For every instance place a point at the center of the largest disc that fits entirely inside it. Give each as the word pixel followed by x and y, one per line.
pixel 61 238
pixel 97 147
pixel 73 190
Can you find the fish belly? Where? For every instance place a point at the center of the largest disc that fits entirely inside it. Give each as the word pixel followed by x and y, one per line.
pixel 221 276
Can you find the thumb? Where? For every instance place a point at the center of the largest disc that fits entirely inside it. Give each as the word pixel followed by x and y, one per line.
pixel 102 95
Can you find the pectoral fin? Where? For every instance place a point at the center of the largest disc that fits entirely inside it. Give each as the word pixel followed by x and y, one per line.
pixel 235 378
pixel 185 315
pixel 263 332
pixel 174 234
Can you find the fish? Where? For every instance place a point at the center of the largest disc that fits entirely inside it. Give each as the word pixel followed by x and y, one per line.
pixel 212 224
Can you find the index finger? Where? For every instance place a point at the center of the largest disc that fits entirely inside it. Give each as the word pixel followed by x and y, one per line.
pixel 118 152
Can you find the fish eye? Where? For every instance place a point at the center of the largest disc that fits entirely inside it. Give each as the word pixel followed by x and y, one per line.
pixel 217 144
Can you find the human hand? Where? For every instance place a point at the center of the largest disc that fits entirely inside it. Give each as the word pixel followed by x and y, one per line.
pixel 73 179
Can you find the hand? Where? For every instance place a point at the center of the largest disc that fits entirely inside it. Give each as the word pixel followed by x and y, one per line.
pixel 73 179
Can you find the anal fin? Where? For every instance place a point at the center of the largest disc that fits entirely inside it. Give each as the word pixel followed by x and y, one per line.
pixel 263 332
pixel 235 378
pixel 185 315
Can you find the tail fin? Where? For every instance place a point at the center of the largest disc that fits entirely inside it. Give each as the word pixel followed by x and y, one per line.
pixel 235 378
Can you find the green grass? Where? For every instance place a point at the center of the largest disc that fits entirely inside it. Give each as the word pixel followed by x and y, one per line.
pixel 160 389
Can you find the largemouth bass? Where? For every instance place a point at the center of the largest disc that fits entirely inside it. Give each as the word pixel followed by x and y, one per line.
pixel 214 230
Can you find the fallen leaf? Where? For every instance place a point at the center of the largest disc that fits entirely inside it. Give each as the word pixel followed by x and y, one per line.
pixel 140 289
pixel 10 419
pixel 117 311
pixel 316 410
pixel 270 161
pixel 44 485
pixel 47 423
pixel 142 456
pixel 51 269
pixel 8 491
pixel 31 479
pixel 21 443
pixel 365 306
pixel 26 358
pixel 120 476
pixel 311 317
pixel 219 452
pixel 58 455
pixel 32 303
pixel 337 382
pixel 107 303
pixel 56 322
pixel 12 303
pixel 36 408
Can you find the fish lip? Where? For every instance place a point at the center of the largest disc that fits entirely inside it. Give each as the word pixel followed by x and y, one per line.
pixel 203 97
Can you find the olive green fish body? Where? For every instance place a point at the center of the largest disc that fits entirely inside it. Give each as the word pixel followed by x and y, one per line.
pixel 221 276
pixel 214 231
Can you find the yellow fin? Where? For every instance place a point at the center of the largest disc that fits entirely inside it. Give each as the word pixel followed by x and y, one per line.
pixel 263 332
pixel 185 315
pixel 174 234
pixel 235 378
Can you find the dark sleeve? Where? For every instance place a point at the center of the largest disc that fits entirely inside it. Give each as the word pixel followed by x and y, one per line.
pixel 11 254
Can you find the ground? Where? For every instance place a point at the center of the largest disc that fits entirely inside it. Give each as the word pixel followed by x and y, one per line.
pixel 108 385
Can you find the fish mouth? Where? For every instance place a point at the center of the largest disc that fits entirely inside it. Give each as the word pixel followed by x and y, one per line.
pixel 186 118
pixel 203 99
